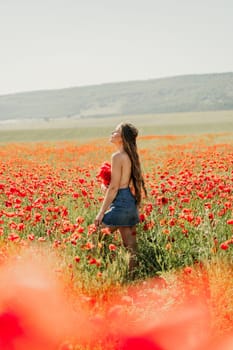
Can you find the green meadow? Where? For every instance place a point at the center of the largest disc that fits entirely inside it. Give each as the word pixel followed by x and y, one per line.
pixel 85 129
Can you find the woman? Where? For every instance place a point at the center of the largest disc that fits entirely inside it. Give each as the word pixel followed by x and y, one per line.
pixel 119 209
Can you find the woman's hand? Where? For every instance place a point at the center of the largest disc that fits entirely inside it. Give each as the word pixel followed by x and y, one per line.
pixel 103 188
pixel 98 219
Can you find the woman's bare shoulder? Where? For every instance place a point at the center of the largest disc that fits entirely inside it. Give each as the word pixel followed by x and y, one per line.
pixel 120 156
pixel 116 157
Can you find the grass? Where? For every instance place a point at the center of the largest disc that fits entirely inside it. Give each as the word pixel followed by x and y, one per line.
pixel 92 128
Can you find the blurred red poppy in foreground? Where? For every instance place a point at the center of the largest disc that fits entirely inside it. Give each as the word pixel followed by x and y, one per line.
pixel 34 314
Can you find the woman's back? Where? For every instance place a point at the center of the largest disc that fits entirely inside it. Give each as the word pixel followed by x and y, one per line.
pixel 125 170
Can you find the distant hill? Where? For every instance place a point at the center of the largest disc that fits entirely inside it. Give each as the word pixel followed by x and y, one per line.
pixel 188 93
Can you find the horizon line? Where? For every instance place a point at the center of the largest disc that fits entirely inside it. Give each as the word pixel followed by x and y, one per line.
pixel 113 83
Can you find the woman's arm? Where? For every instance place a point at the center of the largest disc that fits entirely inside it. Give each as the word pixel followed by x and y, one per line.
pixel 113 187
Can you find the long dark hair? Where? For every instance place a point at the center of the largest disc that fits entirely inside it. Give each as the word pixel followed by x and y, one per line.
pixel 129 134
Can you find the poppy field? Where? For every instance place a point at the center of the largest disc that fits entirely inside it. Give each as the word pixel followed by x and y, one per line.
pixel 65 283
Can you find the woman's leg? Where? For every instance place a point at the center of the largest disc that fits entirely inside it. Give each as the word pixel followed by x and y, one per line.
pixel 128 235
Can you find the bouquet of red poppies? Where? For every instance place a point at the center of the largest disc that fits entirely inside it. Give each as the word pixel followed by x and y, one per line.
pixel 104 173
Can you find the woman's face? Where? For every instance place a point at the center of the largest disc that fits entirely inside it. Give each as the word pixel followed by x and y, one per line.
pixel 116 136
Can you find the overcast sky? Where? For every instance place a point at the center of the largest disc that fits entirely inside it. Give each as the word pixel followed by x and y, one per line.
pixel 48 44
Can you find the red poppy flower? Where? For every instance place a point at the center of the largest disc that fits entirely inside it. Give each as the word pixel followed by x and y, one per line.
pixel 77 258
pixel 104 173
pixel 112 247
pixel 224 246
pixel 10 329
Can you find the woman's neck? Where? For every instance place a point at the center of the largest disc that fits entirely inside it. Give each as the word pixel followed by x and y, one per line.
pixel 120 148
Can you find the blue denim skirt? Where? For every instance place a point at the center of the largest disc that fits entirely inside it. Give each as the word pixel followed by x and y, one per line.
pixel 123 210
